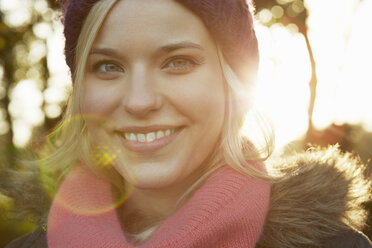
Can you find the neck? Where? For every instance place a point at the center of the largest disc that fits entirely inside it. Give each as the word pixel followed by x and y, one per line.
pixel 137 214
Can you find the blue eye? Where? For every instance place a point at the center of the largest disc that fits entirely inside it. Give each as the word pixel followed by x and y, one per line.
pixel 107 70
pixel 107 67
pixel 180 65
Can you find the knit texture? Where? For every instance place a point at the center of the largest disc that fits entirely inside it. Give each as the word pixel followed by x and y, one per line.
pixel 230 23
pixel 228 210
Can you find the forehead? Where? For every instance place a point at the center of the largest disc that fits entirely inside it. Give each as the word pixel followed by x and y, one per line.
pixel 136 22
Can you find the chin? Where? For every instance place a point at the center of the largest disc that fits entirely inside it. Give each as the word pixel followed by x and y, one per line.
pixel 150 175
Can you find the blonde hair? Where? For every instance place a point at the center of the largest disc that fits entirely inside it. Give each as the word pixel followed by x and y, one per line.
pixel 73 137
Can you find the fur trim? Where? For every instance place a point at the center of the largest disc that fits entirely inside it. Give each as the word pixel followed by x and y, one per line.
pixel 29 199
pixel 317 195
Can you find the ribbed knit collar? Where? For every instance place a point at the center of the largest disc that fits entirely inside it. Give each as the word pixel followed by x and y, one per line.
pixel 228 210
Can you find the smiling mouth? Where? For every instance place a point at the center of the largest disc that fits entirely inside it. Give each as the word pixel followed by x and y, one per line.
pixel 148 137
pixel 148 141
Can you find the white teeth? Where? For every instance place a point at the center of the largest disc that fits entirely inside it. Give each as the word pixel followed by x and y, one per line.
pixel 141 137
pixel 149 137
pixel 133 137
pixel 159 134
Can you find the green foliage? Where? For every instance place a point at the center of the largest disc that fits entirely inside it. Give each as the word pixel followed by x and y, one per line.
pixel 23 56
pixel 16 64
pixel 283 11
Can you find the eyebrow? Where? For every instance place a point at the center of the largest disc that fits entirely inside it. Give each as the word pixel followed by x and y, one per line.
pixel 166 48
pixel 180 45
pixel 105 51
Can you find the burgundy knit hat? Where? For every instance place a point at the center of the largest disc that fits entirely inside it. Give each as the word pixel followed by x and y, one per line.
pixel 230 23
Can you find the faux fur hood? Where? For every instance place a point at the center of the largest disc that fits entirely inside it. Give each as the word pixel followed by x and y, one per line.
pixel 316 195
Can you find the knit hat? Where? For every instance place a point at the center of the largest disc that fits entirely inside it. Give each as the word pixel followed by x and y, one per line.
pixel 230 23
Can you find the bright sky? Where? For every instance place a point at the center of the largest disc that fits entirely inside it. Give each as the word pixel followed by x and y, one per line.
pixel 341 45
pixel 284 74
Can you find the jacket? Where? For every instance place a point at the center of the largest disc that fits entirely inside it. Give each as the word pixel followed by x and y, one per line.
pixel 37 239
pixel 316 201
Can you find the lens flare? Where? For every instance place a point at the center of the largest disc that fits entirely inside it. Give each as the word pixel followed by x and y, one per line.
pixel 83 167
pixel 103 156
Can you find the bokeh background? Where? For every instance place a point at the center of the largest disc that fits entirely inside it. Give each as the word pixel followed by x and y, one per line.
pixel 315 80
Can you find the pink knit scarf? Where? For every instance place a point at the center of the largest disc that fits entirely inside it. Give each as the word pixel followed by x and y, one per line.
pixel 228 210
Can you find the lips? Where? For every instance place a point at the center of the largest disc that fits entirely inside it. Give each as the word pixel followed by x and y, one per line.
pixel 148 139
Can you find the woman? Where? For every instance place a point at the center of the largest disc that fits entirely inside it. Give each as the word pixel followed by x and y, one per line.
pixel 154 156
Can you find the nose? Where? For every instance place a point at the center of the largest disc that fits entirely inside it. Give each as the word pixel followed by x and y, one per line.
pixel 141 97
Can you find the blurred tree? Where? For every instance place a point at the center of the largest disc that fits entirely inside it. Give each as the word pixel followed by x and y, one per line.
pixel 23 62
pixel 23 58
pixel 8 38
pixel 291 12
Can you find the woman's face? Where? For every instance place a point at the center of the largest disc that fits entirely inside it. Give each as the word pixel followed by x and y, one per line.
pixel 153 91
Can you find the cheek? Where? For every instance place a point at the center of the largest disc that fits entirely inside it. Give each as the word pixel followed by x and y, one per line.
pixel 201 98
pixel 99 99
